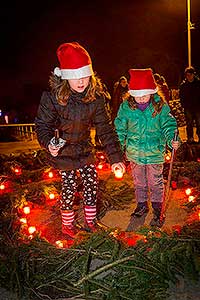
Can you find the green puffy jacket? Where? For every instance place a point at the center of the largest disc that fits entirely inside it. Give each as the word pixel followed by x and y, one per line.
pixel 145 137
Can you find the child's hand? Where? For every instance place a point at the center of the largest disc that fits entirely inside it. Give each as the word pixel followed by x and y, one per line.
pixel 175 144
pixel 55 147
pixel 118 166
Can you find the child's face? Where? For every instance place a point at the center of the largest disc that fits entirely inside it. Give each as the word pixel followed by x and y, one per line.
pixel 143 99
pixel 79 85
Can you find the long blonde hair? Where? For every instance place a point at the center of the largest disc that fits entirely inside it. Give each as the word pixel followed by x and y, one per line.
pixel 61 89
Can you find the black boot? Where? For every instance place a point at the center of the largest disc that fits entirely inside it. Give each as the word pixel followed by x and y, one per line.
pixel 141 209
pixel 158 218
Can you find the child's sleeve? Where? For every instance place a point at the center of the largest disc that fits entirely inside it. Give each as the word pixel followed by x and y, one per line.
pixel 121 125
pixel 45 120
pixel 168 124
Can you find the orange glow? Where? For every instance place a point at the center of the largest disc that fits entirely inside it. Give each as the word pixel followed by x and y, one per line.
pixel 27 210
pixel 188 191
pixel 60 244
pixel 118 173
pixel 23 220
pixel 31 229
pixel 18 171
pixel 2 186
pixel 167 157
pixel 100 166
pixel 102 156
pixel 51 196
pixel 199 214
pixel 50 174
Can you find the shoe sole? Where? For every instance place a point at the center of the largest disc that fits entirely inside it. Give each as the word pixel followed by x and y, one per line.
pixel 139 215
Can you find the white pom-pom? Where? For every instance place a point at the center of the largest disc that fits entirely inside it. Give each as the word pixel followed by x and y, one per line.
pixel 57 72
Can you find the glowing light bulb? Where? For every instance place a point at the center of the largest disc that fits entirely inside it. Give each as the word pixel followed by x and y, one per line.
pixel 27 210
pixel 2 187
pixel 50 174
pixel 118 173
pixel 31 229
pixel 167 158
pixel 191 198
pixel 18 171
pixel 100 166
pixel 51 196
pixel 60 244
pixel 23 220
pixel 188 191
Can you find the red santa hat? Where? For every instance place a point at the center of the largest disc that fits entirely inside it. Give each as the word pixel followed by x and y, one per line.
pixel 141 82
pixel 75 62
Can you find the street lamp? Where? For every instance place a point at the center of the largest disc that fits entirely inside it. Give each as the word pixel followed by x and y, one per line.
pixel 189 27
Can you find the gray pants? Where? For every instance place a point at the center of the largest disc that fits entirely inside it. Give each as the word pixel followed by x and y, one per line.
pixel 148 182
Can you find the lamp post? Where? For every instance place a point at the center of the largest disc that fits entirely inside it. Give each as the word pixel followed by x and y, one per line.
pixel 189 32
pixel 189 27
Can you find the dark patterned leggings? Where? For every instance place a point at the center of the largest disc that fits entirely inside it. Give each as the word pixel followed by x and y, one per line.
pixel 89 179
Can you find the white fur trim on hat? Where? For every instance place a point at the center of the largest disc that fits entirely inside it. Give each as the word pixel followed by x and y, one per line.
pixel 75 73
pixel 140 93
pixel 57 72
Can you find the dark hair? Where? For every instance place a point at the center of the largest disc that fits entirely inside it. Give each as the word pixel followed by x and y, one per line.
pixel 190 70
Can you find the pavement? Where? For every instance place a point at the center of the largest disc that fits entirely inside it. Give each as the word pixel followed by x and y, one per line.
pixel 18 147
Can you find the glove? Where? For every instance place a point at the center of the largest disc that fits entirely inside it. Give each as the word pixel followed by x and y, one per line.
pixel 175 144
pixel 55 147
pixel 60 143
pixel 118 166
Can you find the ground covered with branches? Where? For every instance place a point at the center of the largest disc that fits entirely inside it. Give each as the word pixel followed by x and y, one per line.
pixel 112 264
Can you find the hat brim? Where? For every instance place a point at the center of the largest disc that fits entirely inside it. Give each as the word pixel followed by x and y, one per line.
pixel 140 93
pixel 77 73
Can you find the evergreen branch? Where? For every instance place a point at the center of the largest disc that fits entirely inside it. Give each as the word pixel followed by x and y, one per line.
pixel 103 269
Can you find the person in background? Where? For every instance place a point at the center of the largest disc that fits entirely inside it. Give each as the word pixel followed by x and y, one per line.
pixel 145 126
pixel 120 93
pixel 107 97
pixel 163 89
pixel 74 103
pixel 189 93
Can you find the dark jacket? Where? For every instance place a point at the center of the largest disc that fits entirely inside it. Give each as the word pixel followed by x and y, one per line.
pixel 189 93
pixel 74 122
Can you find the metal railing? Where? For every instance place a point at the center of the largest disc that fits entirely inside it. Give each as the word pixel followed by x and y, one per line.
pixel 27 131
pixel 20 131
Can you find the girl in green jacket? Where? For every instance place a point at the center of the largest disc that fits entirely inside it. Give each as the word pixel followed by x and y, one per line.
pixel 145 126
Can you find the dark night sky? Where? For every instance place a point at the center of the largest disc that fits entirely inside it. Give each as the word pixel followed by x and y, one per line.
pixel 118 35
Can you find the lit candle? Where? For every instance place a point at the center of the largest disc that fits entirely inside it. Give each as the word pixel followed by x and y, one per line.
pixel 27 210
pixel 188 191
pixel 118 173
pixel 31 229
